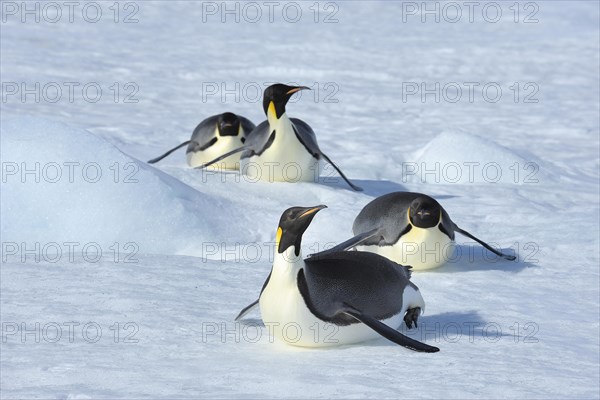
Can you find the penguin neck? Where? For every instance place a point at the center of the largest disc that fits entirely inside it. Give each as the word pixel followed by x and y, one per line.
pixel 287 264
pixel 276 123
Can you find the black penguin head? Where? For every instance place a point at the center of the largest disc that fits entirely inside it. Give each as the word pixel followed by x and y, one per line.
pixel 292 224
pixel 278 95
pixel 424 212
pixel 228 124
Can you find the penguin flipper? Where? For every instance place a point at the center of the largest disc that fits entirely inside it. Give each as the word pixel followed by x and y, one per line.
pixel 307 137
pixel 484 244
pixel 389 333
pixel 246 310
pixel 229 153
pixel 350 243
pixel 157 159
pixel 352 185
pixel 249 307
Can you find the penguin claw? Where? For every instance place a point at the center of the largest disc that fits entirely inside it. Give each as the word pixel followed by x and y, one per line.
pixel 412 314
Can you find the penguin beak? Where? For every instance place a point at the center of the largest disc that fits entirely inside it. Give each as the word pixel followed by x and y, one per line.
pixel 297 89
pixel 312 210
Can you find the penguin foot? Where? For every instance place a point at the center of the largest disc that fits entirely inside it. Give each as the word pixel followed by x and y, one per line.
pixel 412 314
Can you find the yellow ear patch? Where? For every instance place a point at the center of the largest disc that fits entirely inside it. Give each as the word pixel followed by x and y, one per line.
pixel 278 236
pixel 271 111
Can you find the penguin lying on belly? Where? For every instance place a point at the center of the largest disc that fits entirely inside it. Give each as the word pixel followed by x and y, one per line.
pixel 408 228
pixel 212 137
pixel 335 299
pixel 281 148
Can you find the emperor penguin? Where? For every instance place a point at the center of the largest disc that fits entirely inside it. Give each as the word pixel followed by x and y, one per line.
pixel 408 228
pixel 212 137
pixel 337 299
pixel 281 149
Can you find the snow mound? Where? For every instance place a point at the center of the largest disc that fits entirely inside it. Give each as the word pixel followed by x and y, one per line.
pixel 62 185
pixel 460 157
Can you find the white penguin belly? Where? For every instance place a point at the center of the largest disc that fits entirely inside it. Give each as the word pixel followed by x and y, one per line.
pixel 223 145
pixel 420 248
pixel 288 319
pixel 286 160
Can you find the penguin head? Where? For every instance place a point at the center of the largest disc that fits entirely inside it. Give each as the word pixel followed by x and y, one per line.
pixel 292 225
pixel 276 97
pixel 228 124
pixel 424 212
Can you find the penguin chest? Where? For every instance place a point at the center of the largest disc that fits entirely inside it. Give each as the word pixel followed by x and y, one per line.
pixel 284 311
pixel 285 160
pixel 421 248
pixel 223 145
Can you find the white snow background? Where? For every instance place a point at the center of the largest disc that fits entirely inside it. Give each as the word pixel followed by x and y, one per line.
pixel 183 250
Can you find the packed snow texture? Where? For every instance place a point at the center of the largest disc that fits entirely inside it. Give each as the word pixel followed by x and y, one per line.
pixel 126 284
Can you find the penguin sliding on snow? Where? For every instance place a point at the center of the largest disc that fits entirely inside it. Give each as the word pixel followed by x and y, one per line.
pixel 336 299
pixel 212 137
pixel 408 228
pixel 281 148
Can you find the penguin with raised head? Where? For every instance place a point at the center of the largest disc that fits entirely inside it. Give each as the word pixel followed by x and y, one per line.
pixel 337 299
pixel 281 149
pixel 408 228
pixel 213 137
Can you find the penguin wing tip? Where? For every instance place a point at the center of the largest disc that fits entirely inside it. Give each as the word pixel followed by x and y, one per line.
pixel 239 316
pixel 426 348
pixel 354 187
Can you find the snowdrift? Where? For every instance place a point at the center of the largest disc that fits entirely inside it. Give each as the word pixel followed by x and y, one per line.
pixel 63 185
pixel 460 157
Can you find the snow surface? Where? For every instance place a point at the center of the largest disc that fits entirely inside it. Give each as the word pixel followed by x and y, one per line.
pixel 183 250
